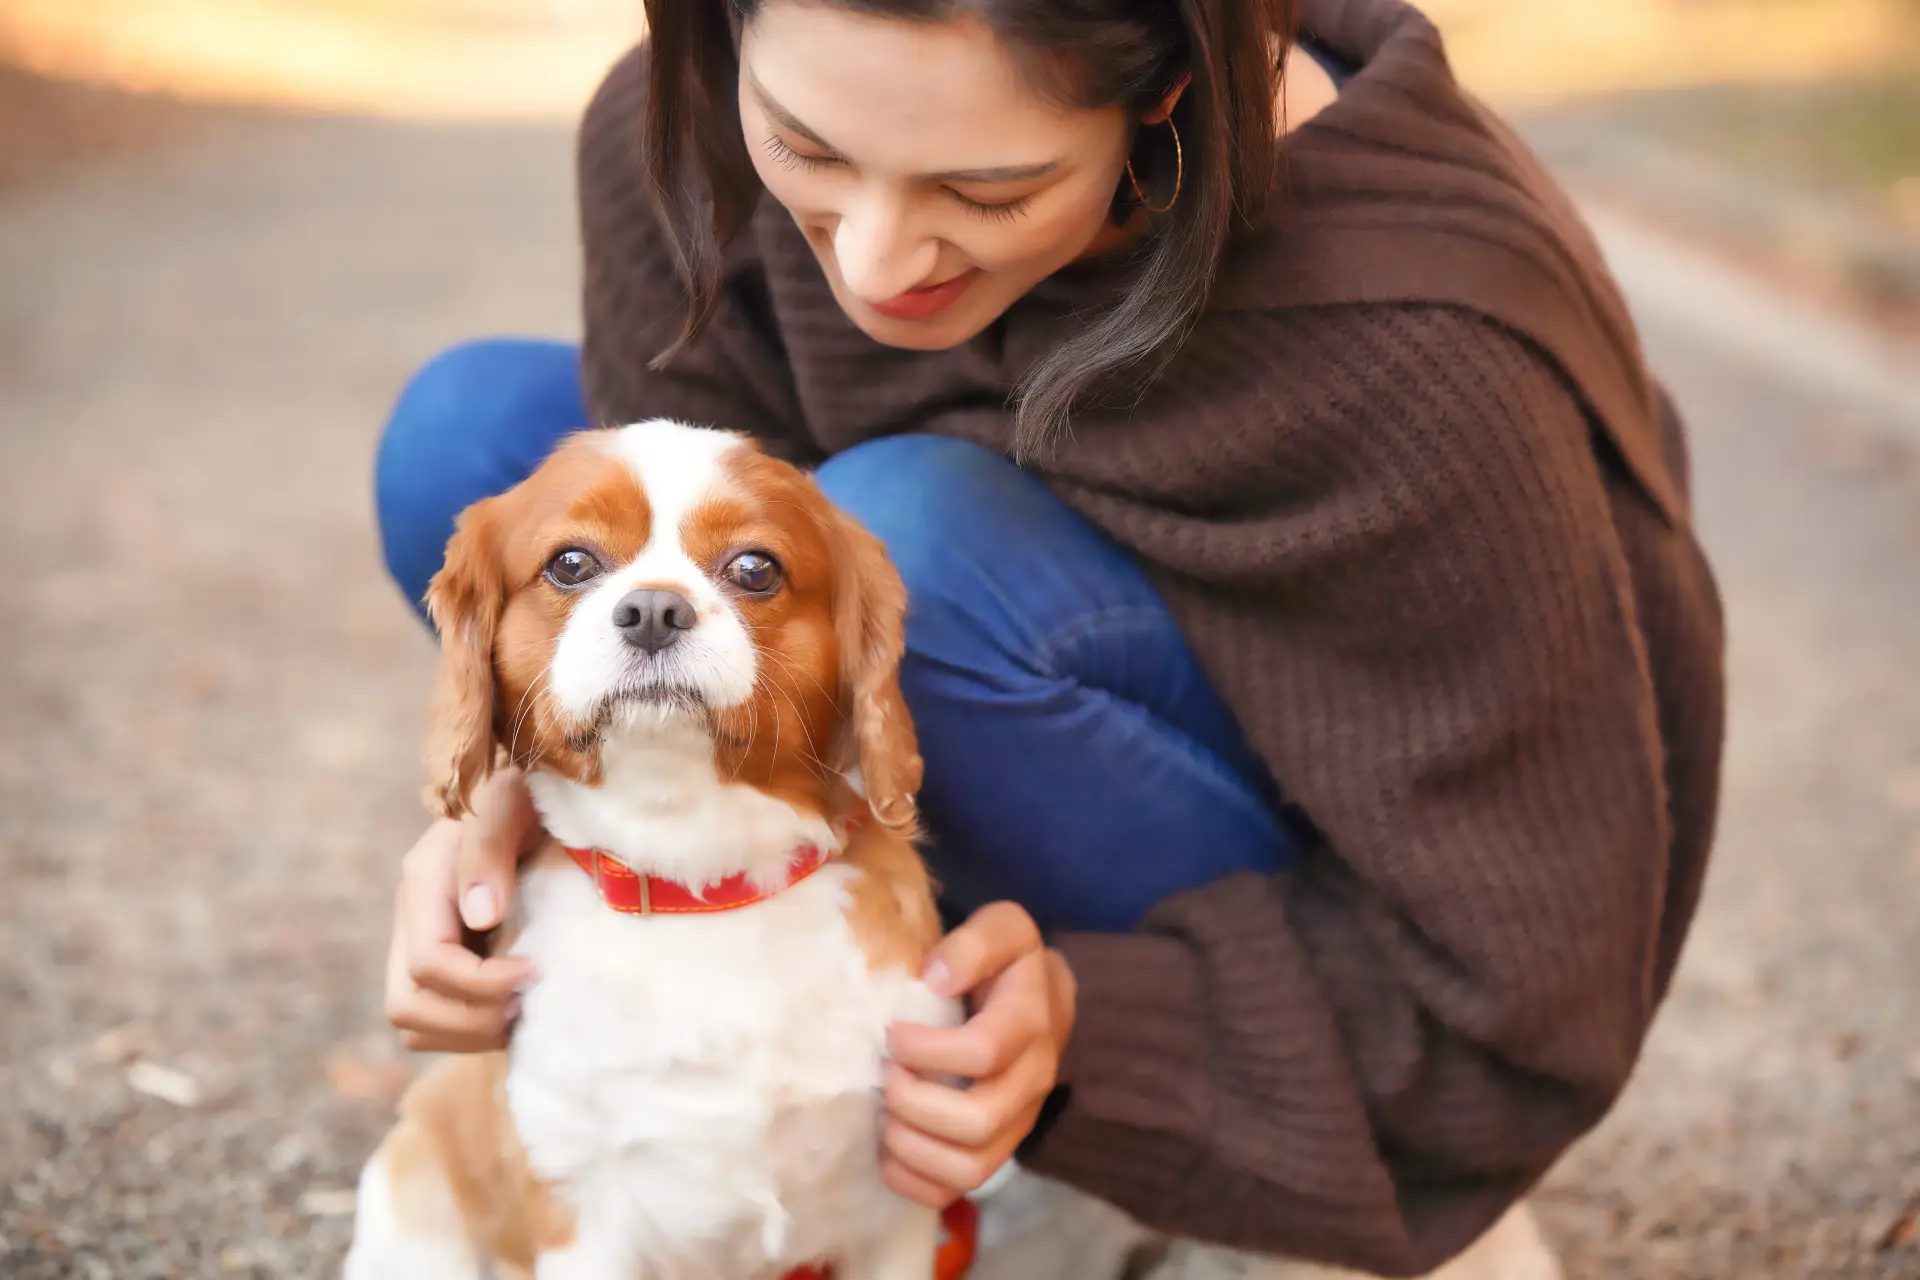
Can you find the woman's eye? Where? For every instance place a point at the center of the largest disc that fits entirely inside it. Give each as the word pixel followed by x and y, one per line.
pixel 787 158
pixel 753 572
pixel 1006 211
pixel 572 567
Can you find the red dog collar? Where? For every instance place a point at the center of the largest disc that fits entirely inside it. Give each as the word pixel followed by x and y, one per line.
pixel 638 895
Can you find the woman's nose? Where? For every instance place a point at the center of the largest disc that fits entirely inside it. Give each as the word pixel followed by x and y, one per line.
pixel 878 254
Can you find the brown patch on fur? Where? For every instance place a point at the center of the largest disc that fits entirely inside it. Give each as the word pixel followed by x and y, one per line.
pixel 782 741
pixel 830 641
pixel 893 917
pixel 464 601
pixel 455 1133
pixel 870 608
pixel 500 620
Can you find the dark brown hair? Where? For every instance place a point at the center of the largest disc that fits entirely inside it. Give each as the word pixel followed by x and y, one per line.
pixel 1090 53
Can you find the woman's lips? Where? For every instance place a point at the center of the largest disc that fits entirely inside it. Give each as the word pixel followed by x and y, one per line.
pixel 920 304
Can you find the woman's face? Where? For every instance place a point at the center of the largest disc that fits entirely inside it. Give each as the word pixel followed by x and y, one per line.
pixel 933 184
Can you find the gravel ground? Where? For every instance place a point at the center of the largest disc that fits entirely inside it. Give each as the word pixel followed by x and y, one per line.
pixel 210 704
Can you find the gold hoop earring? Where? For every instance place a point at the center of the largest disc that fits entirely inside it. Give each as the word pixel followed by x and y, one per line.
pixel 1179 175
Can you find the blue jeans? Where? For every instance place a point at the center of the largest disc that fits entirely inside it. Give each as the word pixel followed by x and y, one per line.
pixel 1078 760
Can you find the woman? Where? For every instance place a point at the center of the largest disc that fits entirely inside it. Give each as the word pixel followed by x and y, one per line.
pixel 1336 684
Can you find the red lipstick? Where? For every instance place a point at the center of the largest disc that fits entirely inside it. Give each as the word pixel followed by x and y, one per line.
pixel 922 304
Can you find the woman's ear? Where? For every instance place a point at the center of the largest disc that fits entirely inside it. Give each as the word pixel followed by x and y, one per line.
pixel 1164 108
pixel 464 600
pixel 869 619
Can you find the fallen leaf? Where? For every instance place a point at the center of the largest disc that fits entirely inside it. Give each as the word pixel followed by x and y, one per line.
pixel 1903 1231
pixel 350 1075
pixel 164 1083
pixel 327 1202
pixel 1844 1047
pixel 287 1154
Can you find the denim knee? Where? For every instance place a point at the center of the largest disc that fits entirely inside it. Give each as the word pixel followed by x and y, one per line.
pixel 921 495
pixel 473 421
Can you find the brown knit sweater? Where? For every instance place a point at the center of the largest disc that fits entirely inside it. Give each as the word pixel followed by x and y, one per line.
pixel 1423 514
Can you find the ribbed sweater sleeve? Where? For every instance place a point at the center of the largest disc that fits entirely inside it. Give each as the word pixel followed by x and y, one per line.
pixel 1433 642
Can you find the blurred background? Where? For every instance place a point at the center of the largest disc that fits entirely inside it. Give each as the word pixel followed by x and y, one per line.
pixel 229 229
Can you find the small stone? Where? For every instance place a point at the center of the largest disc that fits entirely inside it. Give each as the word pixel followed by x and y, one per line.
pixel 328 1202
pixel 164 1083
pixel 123 1044
pixel 287 1154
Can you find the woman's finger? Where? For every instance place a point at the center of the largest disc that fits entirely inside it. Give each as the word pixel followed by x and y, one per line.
pixel 434 1024
pixel 985 943
pixel 488 849
pixel 963 1169
pixel 911 1186
pixel 1014 1018
pixel 428 944
pixel 427 930
pixel 449 969
pixel 433 1021
pixel 978 1117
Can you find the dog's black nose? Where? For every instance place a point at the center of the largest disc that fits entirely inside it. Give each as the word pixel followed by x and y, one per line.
pixel 652 619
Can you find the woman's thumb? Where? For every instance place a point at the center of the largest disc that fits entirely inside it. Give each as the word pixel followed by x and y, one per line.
pixel 488 857
pixel 485 864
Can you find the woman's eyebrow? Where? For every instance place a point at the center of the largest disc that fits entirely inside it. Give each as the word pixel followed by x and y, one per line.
pixel 786 118
pixel 997 173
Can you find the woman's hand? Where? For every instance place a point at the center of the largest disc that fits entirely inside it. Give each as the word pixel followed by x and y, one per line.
pixel 941 1142
pixel 442 996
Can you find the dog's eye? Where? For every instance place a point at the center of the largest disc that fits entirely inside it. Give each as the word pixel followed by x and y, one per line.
pixel 572 567
pixel 753 572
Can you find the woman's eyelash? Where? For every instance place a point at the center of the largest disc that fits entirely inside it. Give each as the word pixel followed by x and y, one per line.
pixel 787 158
pixel 994 212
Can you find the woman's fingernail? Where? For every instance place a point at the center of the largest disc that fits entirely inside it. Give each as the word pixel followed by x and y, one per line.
pixel 478 908
pixel 526 984
pixel 938 976
pixel 513 1010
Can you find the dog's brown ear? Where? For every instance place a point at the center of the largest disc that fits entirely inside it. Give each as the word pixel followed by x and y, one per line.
pixel 869 618
pixel 464 599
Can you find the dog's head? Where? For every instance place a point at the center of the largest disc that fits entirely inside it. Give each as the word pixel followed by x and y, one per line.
pixel 659 578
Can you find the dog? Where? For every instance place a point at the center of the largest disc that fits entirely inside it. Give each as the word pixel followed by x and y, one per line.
pixel 694 657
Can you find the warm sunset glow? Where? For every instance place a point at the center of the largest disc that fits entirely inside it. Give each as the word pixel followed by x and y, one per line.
pixel 540 58
pixel 423 58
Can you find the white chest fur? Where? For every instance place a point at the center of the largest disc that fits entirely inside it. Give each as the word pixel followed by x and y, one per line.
pixel 705 1087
